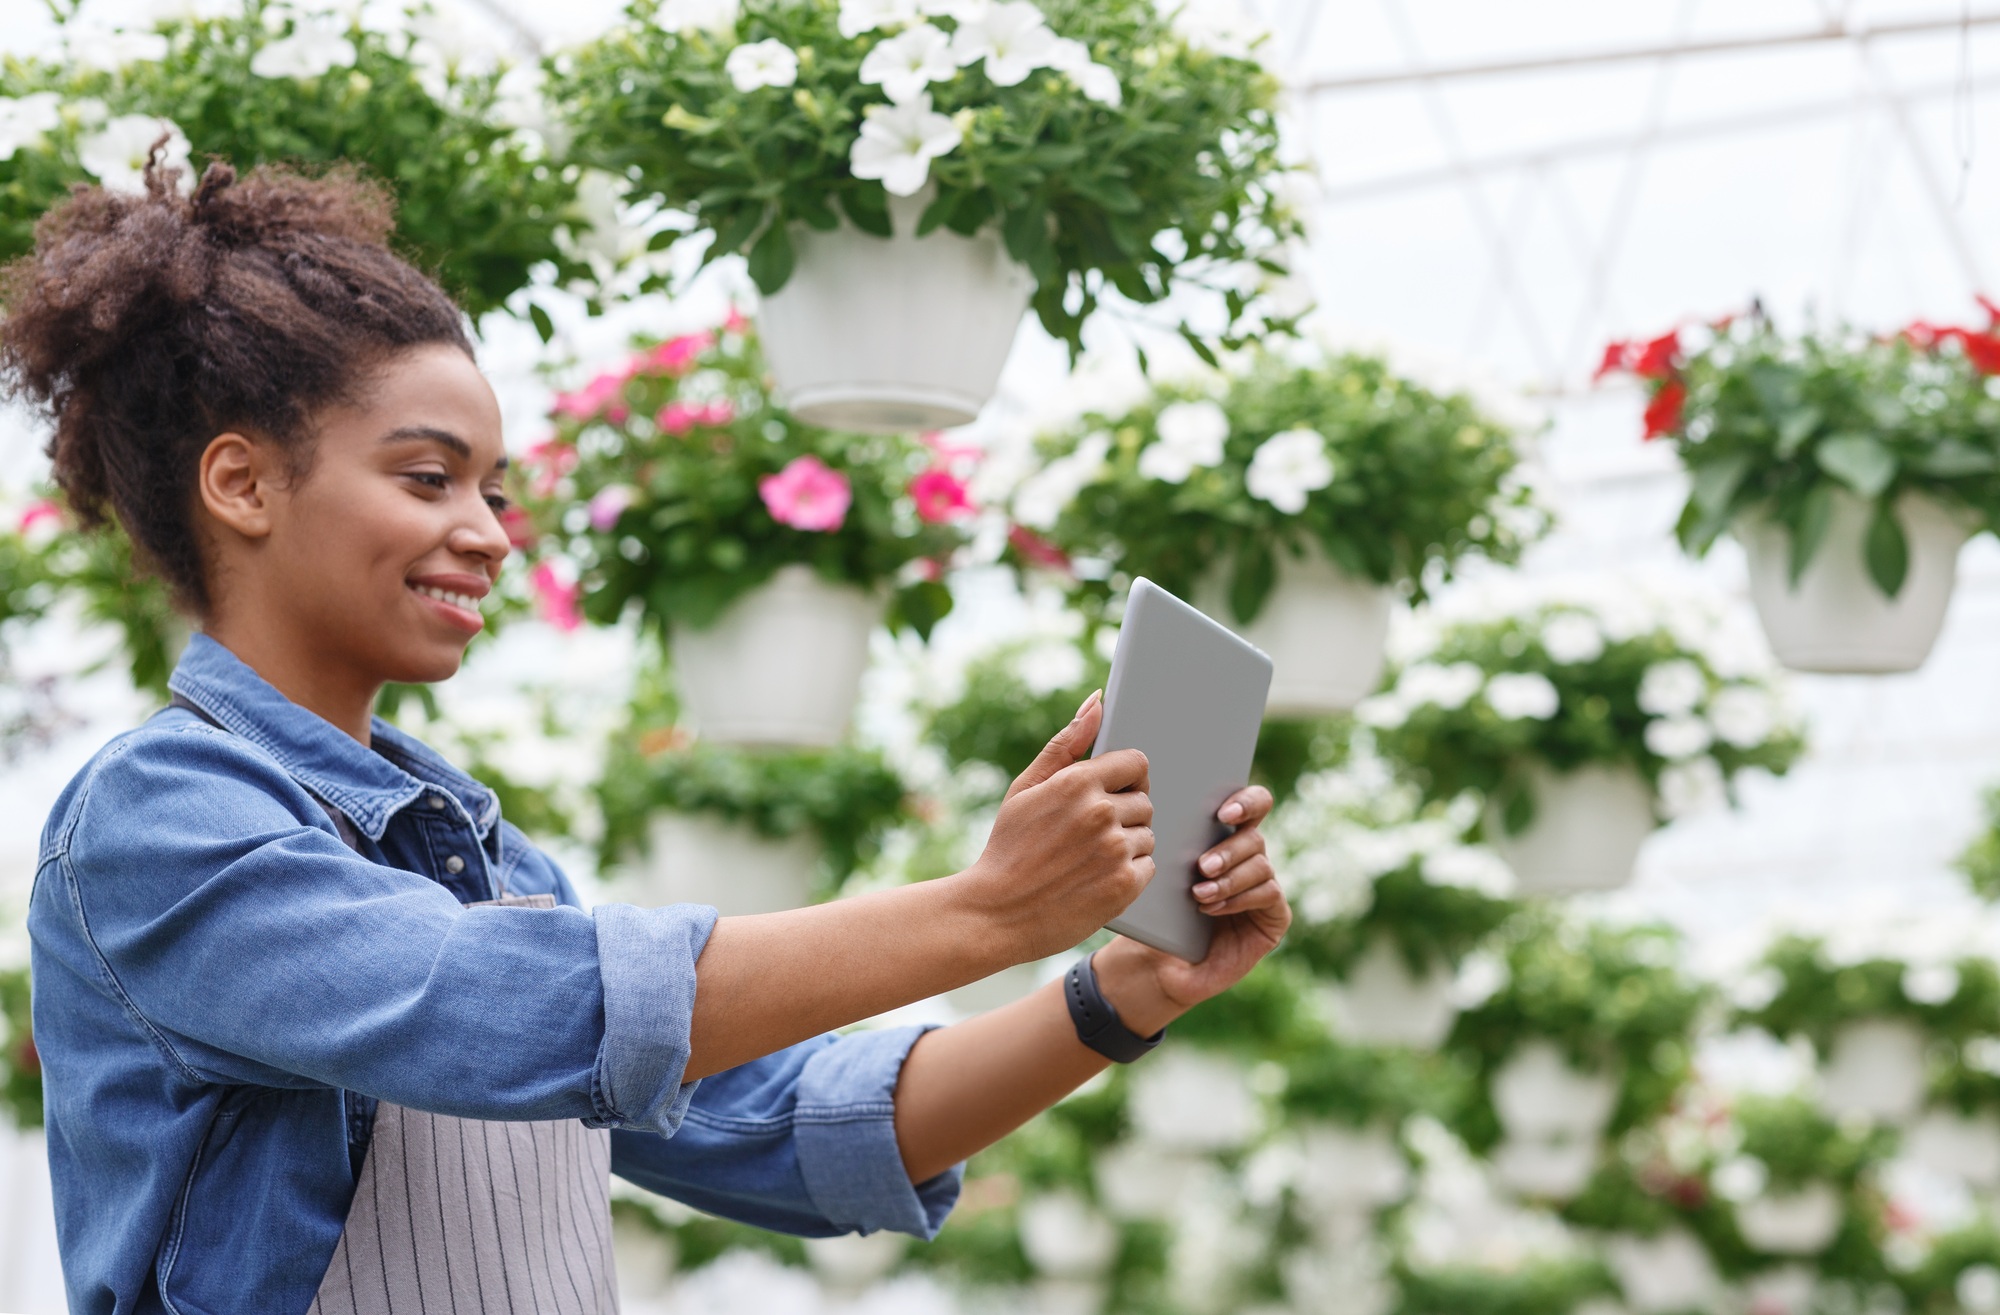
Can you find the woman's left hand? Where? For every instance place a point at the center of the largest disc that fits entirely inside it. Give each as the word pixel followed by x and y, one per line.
pixel 1240 890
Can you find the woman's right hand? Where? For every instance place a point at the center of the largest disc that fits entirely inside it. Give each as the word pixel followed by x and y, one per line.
pixel 1072 846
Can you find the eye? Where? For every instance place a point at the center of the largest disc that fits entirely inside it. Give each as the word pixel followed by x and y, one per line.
pixel 500 502
pixel 430 479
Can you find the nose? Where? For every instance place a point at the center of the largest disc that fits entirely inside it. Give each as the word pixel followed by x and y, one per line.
pixel 479 534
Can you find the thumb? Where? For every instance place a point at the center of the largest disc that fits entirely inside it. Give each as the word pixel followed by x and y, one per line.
pixel 1070 743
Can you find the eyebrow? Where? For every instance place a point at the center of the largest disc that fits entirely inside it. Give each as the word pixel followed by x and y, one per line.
pixel 442 437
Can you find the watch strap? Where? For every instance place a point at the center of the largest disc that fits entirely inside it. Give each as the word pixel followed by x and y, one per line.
pixel 1097 1023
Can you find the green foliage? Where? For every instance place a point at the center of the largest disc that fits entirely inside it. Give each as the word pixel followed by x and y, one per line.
pixel 1545 1287
pixel 478 202
pixel 1173 188
pixel 1815 997
pixel 1430 924
pixel 675 443
pixel 1981 860
pixel 20 1065
pixel 1261 1016
pixel 1612 999
pixel 1421 480
pixel 1449 747
pixel 1932 1286
pixel 96 570
pixel 1772 426
pixel 1362 1085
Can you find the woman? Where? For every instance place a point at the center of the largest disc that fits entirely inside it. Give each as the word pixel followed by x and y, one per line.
pixel 319 1030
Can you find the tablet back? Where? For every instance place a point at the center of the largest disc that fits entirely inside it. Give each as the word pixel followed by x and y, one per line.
pixel 1190 695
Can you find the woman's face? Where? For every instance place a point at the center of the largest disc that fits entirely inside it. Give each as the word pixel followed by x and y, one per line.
pixel 378 558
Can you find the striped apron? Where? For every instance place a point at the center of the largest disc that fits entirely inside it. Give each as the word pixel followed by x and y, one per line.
pixel 471 1216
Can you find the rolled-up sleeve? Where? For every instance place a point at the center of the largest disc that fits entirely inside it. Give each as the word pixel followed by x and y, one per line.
pixel 223 913
pixel 802 1141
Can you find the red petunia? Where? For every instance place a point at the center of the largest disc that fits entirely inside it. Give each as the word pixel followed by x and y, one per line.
pixel 1615 354
pixel 940 496
pixel 1983 350
pixel 1037 551
pixel 1656 359
pixel 1663 413
pixel 1991 308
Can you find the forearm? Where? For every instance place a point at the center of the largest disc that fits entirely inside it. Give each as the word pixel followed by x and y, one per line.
pixel 965 1087
pixel 774 979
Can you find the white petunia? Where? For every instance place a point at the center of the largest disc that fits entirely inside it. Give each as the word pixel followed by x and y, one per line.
pixel 1286 467
pixel 116 154
pixel 310 51
pixel 1671 688
pixel 1190 434
pixel 24 120
pixel 1674 738
pixel 963 11
pixel 858 16
pixel 1743 716
pixel 685 16
pixel 1691 787
pixel 1072 59
pixel 101 49
pixel 1447 687
pixel 1571 638
pixel 1740 1178
pixel 1468 867
pixel 1382 711
pixel 768 63
pixel 1930 983
pixel 1051 666
pixel 1523 694
pixel 906 64
pixel 1043 496
pixel 1013 38
pixel 898 143
pixel 1217 26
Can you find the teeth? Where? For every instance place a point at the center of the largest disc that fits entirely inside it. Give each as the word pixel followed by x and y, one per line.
pixel 466 601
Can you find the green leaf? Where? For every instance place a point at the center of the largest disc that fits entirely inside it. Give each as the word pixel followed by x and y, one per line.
pixel 1716 482
pixel 545 328
pixel 1859 461
pixel 1809 528
pixel 1250 586
pixel 1953 458
pixel 867 206
pixel 1796 428
pixel 919 606
pixel 733 232
pixel 1778 389
pixel 771 260
pixel 1887 551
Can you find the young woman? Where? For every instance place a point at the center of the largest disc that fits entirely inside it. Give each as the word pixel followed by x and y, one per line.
pixel 319 1030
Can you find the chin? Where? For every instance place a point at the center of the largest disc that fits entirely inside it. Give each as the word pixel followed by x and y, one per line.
pixel 425 668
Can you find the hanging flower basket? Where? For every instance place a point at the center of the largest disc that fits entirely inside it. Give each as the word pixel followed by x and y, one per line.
pixel 697 859
pixel 1834 617
pixel 1962 1146
pixel 1381 1002
pixel 1325 631
pixel 781 666
pixel 1875 1069
pixel 1663 1275
pixel 1342 1169
pixel 1545 1169
pixel 1587 830
pixel 1539 1096
pixel 1802 1222
pixel 893 334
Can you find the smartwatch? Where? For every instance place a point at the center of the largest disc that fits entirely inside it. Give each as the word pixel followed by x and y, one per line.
pixel 1097 1023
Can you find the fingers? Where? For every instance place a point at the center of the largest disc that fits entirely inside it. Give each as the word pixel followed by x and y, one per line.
pixel 1132 808
pixel 1068 745
pixel 1230 852
pixel 1247 807
pixel 1121 769
pixel 1234 890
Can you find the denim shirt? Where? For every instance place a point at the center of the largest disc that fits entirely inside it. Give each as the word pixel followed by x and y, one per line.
pixel 223 988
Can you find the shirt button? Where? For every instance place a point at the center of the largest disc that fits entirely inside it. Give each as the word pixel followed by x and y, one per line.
pixel 454 864
pixel 437 801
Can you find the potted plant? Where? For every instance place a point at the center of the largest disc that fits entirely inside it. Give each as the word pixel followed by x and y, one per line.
pixel 1874 1021
pixel 1345 1106
pixel 1795 1184
pixel 482 198
pixel 744 830
pixel 1588 1035
pixel 763 550
pixel 1851 468
pixel 1579 731
pixel 1292 501
pixel 1958 1134
pixel 905 179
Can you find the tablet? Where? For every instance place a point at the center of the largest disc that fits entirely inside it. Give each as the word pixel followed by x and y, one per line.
pixel 1190 695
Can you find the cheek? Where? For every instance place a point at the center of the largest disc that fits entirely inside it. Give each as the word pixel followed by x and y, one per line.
pixel 368 528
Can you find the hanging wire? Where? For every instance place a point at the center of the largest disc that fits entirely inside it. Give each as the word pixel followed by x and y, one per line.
pixel 1963 124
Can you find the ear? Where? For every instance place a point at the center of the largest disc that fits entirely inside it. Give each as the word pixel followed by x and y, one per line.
pixel 237 481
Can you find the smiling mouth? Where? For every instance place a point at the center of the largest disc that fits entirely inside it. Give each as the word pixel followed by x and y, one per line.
pixel 466 601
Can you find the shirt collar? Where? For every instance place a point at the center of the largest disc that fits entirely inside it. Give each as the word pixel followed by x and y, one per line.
pixel 368 785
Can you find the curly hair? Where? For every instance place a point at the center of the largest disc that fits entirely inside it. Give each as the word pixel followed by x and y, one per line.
pixel 144 325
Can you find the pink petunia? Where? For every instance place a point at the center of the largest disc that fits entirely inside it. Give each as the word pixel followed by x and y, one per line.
pixel 676 355
pixel 603 396
pixel 1037 551
pixel 519 526
pixel 609 504
pixel 682 418
pixel 734 321
pixel 940 496
pixel 807 495
pixel 550 460
pixel 556 599
pixel 40 523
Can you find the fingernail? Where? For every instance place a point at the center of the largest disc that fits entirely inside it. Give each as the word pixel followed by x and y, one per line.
pixel 1231 811
pixel 1211 863
pixel 1085 705
pixel 1205 889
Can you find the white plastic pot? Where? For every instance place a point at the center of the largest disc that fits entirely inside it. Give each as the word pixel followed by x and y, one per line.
pixel 853 1262
pixel 1382 1003
pixel 1801 1223
pixel 1875 1069
pixel 1837 619
pixel 1964 1147
pixel 1586 833
pixel 782 666
pixel 1671 1272
pixel 1554 1169
pixel 693 858
pixel 1343 1170
pixel 893 334
pixel 1064 1238
pixel 1325 632
pixel 1539 1096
